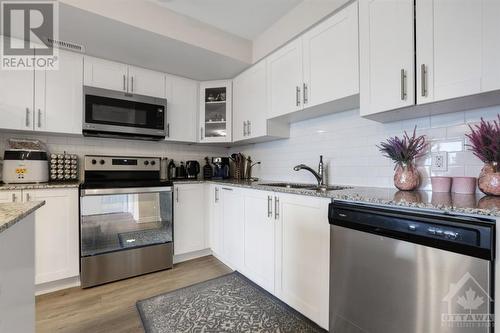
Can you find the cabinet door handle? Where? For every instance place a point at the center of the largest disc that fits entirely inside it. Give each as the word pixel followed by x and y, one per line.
pixel 27 117
pixel 276 208
pixel 39 118
pixel 201 133
pixel 14 197
pixel 227 188
pixel 297 96
pixel 306 92
pixel 249 127
pixel 244 128
pixel 216 194
pixel 269 206
pixel 403 84
pixel 177 194
pixel 423 78
pixel 124 82
pixel 28 197
pixel 168 130
pixel 132 84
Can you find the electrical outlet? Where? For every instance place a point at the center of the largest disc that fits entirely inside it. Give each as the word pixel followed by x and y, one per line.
pixel 439 161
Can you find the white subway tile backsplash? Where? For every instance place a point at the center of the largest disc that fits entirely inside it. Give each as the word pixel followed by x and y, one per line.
pixel 347 141
pixel 447 119
pixel 349 147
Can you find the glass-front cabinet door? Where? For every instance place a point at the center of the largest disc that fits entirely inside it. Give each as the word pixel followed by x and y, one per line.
pixel 215 111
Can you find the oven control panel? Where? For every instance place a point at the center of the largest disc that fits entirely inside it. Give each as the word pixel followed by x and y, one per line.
pixel 120 163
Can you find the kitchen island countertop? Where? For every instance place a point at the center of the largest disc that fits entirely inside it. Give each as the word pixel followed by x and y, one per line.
pixel 11 213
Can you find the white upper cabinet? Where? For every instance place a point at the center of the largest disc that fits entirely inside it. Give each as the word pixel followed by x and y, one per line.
pixel 116 76
pixel 44 100
pixel 182 109
pixel 216 111
pixel 250 103
pixel 386 40
pixel 457 53
pixel 16 100
pixel 58 96
pixel 106 74
pixel 451 67
pixel 331 66
pixel 146 82
pixel 317 68
pixel 284 79
pixel 189 217
pixel 491 46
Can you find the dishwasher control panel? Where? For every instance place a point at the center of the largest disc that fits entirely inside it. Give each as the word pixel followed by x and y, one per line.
pixel 461 234
pixel 440 232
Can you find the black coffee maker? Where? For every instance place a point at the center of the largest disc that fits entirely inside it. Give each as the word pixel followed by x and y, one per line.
pixel 192 169
pixel 221 167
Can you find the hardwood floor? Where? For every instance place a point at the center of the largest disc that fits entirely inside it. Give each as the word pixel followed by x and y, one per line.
pixel 111 307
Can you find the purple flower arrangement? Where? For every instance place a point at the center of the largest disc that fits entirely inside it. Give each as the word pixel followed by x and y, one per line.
pixel 403 150
pixel 485 141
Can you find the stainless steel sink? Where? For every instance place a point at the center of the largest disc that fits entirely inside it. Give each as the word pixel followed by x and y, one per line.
pixel 306 186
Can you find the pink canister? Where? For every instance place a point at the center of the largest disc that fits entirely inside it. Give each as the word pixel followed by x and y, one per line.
pixel 441 184
pixel 464 185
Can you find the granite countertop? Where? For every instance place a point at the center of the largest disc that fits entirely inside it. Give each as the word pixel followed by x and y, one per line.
pixel 38 186
pixel 11 213
pixel 466 204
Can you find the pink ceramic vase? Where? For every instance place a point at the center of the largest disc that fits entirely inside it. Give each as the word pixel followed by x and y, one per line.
pixel 489 179
pixel 407 177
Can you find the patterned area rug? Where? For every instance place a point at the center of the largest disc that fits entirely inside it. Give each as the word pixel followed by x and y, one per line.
pixel 230 303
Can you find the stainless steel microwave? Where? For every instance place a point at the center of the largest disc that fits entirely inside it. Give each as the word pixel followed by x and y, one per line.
pixel 109 113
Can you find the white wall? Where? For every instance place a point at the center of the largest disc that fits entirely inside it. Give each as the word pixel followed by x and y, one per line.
pixel 348 145
pixel 296 21
pixel 102 146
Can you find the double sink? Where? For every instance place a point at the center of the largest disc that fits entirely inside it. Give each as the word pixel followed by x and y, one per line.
pixel 306 186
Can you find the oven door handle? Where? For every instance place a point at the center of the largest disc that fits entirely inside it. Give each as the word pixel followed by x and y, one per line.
pixel 124 190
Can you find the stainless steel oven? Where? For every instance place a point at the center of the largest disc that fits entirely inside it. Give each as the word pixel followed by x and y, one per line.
pixel 126 220
pixel 112 113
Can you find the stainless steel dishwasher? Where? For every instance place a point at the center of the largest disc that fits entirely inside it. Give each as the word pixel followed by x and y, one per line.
pixel 404 271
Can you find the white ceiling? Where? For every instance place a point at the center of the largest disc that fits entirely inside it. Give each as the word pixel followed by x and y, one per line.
pixel 110 39
pixel 244 18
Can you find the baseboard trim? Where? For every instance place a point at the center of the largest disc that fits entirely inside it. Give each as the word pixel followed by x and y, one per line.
pixel 53 286
pixel 178 258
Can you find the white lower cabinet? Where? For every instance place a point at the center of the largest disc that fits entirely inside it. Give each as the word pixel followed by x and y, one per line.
pixel 279 241
pixel 56 234
pixel 189 218
pixel 259 260
pixel 215 216
pixel 226 225
pixel 10 196
pixel 302 247
pixel 232 226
